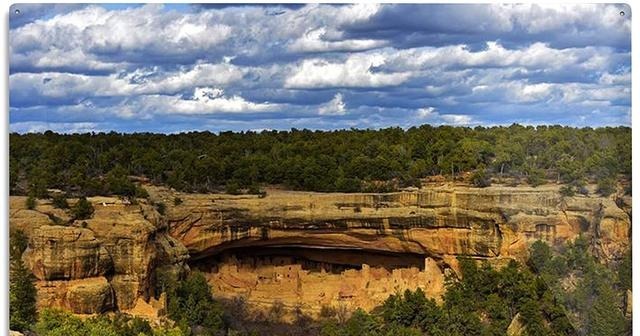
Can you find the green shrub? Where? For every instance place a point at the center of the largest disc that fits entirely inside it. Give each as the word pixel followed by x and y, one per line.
pixel 60 202
pixel 22 292
pixel 232 187
pixel 83 209
pixel 535 177
pixel 567 190
pixel 606 186
pixel 141 192
pixel 31 203
pixel 480 178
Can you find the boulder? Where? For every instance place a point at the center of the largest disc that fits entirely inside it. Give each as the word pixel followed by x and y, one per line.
pixel 89 296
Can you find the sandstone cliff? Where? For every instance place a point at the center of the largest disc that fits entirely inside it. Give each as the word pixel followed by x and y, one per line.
pixel 305 249
pixel 436 224
pixel 103 263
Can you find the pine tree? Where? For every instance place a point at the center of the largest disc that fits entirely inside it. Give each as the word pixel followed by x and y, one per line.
pixel 22 292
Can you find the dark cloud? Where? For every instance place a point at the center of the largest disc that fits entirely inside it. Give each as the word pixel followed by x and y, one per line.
pixel 413 25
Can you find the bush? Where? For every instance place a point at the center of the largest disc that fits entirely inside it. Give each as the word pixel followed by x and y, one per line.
pixel 535 177
pixel 60 202
pixel 56 322
pixel 345 184
pixel 31 203
pixel 567 190
pixel 624 271
pixel 606 186
pixel 232 188
pixel 480 178
pixel 83 209
pixel 141 192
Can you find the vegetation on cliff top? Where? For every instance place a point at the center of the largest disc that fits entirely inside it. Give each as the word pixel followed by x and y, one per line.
pixel 347 160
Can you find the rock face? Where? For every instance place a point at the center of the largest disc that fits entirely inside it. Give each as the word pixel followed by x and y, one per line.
pixel 66 253
pixel 305 249
pixel 484 223
pixel 103 263
pixel 435 224
pixel 90 296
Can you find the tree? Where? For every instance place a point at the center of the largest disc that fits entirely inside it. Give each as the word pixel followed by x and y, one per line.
pixel 606 186
pixel 535 176
pixel 22 292
pixel 31 203
pixel 60 202
pixel 567 190
pixel 361 324
pixel 480 178
pixel 539 255
pixel 83 209
pixel 191 301
pixel 533 319
pixel 624 271
pixel 118 182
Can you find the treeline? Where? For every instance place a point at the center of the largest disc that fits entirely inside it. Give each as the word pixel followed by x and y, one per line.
pixel 345 160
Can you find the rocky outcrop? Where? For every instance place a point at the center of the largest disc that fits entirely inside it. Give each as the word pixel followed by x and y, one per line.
pixel 489 223
pixel 66 253
pixel 360 247
pixel 434 224
pixel 90 296
pixel 103 263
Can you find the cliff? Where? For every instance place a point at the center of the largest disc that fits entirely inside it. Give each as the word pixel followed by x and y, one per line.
pixel 309 249
pixel 103 263
pixel 305 249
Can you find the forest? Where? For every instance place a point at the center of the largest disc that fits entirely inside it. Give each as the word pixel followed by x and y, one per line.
pixel 329 161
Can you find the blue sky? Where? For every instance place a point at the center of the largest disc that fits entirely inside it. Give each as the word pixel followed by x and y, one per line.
pixel 173 68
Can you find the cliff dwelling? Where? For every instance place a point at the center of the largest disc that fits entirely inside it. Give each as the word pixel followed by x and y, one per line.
pixel 310 278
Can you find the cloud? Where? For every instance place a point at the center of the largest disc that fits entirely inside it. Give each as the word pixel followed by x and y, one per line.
pixel 334 107
pixel 171 68
pixel 63 87
pixel 356 71
pixel 430 115
pixel 562 26
pixel 119 36
pixel 313 41
pixel 205 100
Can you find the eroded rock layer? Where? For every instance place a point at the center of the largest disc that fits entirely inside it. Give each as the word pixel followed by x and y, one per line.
pixel 99 264
pixel 437 224
pixel 304 249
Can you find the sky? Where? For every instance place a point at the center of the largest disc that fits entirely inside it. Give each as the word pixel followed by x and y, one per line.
pixel 181 67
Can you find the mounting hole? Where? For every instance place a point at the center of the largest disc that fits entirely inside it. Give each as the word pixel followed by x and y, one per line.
pixel 621 13
pixel 17 11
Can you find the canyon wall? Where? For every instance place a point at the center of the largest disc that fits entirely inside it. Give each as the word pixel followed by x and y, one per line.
pixel 306 250
pixel 103 263
pixel 436 224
